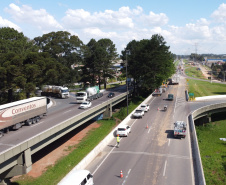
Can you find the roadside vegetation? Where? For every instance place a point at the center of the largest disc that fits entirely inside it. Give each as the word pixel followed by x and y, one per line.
pixel 62 167
pixel 213 151
pixel 194 72
pixel 203 88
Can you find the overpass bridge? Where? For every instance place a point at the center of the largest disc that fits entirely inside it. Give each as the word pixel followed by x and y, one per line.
pixel 17 159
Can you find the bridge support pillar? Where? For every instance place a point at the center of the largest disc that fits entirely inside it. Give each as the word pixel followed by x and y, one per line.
pixel 108 111
pixel 23 166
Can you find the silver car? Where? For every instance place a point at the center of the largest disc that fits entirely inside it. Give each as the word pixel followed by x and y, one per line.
pixel 139 113
pixel 144 107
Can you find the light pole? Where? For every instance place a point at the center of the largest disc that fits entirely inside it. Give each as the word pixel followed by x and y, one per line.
pixel 127 84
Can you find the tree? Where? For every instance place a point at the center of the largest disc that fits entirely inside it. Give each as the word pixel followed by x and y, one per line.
pixel 98 59
pixel 149 62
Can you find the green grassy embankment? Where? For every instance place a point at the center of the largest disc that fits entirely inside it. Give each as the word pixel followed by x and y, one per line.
pixel 62 167
pixel 204 88
pixel 212 149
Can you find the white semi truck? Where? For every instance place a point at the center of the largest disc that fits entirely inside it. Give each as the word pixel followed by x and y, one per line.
pixel 23 112
pixel 175 79
pixel 55 91
pixel 180 128
pixel 90 94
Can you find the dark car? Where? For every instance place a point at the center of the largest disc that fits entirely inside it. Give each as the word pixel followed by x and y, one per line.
pixel 111 94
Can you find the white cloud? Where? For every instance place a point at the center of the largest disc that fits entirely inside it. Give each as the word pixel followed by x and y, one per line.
pixel 219 15
pixel 7 23
pixel 108 19
pixel 37 18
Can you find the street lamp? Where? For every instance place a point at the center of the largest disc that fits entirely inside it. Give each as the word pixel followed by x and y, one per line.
pixel 127 52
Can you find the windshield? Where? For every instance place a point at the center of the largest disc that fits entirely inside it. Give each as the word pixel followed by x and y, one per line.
pixel 80 94
pixel 143 106
pixel 121 129
pixel 138 111
pixel 84 103
pixel 64 91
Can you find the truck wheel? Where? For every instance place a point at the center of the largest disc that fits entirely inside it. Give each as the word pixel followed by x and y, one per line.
pixel 38 118
pixel 34 120
pixel 29 122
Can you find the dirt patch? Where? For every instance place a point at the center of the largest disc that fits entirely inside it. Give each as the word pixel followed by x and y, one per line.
pixel 41 165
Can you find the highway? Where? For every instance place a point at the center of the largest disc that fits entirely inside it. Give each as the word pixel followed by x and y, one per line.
pixel 61 110
pixel 150 154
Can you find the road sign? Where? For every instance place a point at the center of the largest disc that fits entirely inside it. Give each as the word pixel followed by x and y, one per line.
pixel 191 94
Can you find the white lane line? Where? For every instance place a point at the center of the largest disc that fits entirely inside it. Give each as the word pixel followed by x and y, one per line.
pixel 34 125
pixel 104 160
pixel 6 144
pixel 67 111
pixel 126 177
pixel 149 130
pixel 164 171
pixel 169 142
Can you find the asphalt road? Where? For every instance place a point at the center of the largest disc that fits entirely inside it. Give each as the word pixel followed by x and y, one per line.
pixel 150 154
pixel 61 110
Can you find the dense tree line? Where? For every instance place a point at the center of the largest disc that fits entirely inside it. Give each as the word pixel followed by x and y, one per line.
pixel 150 63
pixel 27 64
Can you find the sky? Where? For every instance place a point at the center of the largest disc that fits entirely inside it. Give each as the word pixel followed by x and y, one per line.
pixel 192 26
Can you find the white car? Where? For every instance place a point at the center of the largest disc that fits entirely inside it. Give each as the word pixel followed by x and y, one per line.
pixel 144 107
pixel 138 113
pixel 85 105
pixel 123 130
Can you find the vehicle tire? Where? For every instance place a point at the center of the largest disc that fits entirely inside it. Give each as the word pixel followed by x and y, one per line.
pixel 34 120
pixel 38 118
pixel 6 130
pixel 29 122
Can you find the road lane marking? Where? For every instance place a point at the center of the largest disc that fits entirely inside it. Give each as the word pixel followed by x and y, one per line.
pixel 36 124
pixel 164 171
pixel 6 144
pixel 126 177
pixel 104 160
pixel 67 111
pixel 149 130
pixel 152 154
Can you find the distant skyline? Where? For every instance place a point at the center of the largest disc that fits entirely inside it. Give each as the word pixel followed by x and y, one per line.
pixel 187 27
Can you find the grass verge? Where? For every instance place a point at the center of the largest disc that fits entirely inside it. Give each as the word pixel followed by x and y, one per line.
pixel 193 72
pixel 203 88
pixel 213 151
pixel 62 167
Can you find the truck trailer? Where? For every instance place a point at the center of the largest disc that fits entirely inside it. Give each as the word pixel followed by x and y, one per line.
pixel 23 112
pixel 55 91
pixel 180 129
pixel 90 94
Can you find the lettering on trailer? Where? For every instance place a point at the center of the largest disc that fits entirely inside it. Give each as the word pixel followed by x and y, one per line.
pixel 22 109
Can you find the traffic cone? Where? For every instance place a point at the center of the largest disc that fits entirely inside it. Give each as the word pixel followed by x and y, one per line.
pixel 158 108
pixel 121 174
pixel 147 126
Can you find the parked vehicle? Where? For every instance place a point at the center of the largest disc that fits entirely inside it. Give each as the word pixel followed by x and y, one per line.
pixel 24 112
pixel 85 105
pixel 138 113
pixel 55 91
pixel 180 129
pixel 77 177
pixel 111 94
pixel 170 97
pixel 157 92
pixel 90 94
pixel 123 130
pixel 144 107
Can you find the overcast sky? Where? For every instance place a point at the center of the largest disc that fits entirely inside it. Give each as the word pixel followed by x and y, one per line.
pixel 187 26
